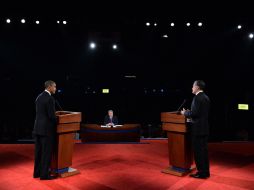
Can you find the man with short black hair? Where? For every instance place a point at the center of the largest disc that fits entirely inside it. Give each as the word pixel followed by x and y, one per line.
pixel 199 128
pixel 44 131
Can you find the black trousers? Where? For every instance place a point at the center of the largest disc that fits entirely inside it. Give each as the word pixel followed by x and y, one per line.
pixel 200 149
pixel 43 155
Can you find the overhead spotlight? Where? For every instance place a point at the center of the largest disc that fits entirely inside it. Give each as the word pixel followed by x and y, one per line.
pixel 8 20
pixel 188 24
pixel 114 46
pixel 200 24
pixel 155 24
pixel 23 21
pixel 64 22
pixel 148 24
pixel 250 35
pixel 239 27
pixel 165 36
pixel 58 22
pixel 37 22
pixel 172 24
pixel 92 45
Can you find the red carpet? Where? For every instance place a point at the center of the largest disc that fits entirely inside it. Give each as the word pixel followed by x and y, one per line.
pixel 129 166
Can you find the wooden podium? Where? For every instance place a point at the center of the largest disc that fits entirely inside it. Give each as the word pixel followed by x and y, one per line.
pixel 179 144
pixel 68 124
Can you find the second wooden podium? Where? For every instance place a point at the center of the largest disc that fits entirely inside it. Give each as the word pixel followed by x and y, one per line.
pixel 68 124
pixel 179 144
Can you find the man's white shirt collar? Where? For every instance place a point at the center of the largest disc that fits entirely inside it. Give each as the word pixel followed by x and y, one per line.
pixel 48 92
pixel 199 92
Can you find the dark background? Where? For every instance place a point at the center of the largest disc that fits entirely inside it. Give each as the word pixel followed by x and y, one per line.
pixel 165 69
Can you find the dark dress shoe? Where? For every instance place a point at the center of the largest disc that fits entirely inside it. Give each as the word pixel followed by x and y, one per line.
pixel 193 175
pixel 200 176
pixel 48 178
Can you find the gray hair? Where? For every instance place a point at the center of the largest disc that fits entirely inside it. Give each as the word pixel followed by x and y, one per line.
pixel 49 83
pixel 200 84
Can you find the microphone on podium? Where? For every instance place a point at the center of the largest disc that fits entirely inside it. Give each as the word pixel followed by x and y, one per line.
pixel 184 101
pixel 57 103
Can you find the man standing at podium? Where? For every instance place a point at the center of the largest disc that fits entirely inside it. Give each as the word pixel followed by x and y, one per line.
pixel 44 131
pixel 110 119
pixel 199 128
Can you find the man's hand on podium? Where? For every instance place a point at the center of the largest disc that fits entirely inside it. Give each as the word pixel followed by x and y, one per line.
pixel 183 111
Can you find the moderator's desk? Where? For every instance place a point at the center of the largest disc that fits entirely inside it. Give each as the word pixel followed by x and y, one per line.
pixel 96 133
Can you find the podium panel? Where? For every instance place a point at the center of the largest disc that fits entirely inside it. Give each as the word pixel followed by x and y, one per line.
pixel 179 144
pixel 68 124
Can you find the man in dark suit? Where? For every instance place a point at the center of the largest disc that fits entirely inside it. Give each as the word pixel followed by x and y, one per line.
pixel 199 128
pixel 44 131
pixel 110 119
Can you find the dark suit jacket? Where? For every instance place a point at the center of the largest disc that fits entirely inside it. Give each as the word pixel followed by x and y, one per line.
pixel 45 121
pixel 107 120
pixel 199 114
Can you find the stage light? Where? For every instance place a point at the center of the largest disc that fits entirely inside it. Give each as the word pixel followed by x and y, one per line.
pixel 8 20
pixel 130 76
pixel 58 22
pixel 37 22
pixel 105 91
pixel 64 22
pixel 239 27
pixel 23 21
pixel 188 24
pixel 155 24
pixel 243 106
pixel 148 24
pixel 114 46
pixel 200 24
pixel 165 36
pixel 172 24
pixel 92 45
pixel 250 35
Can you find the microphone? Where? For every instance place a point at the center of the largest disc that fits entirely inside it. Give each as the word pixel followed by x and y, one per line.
pixel 57 103
pixel 184 101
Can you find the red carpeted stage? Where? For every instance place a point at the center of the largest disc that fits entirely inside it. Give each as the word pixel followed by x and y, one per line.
pixel 129 166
